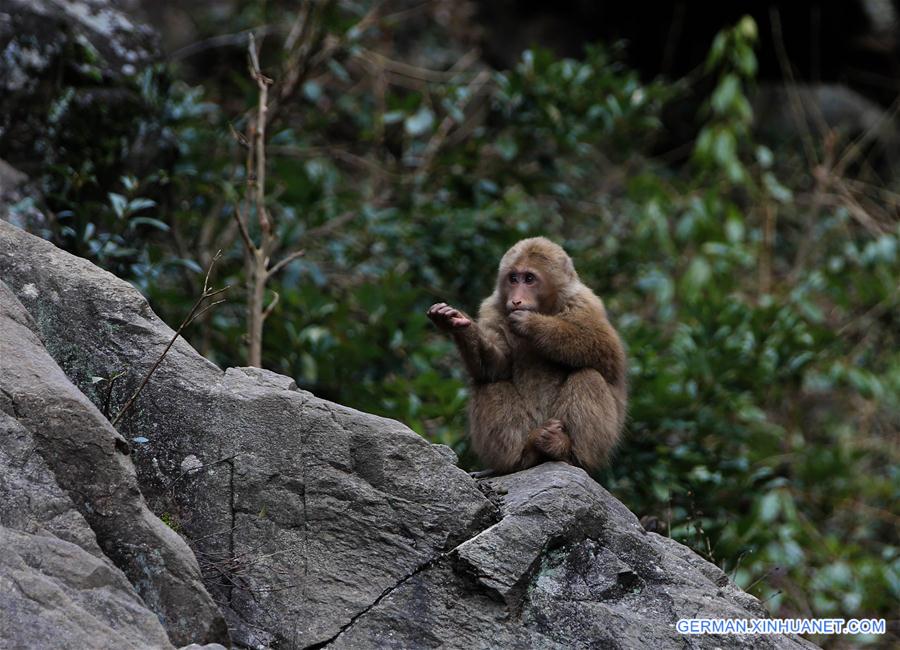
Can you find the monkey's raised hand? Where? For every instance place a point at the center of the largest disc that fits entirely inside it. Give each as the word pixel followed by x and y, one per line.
pixel 447 318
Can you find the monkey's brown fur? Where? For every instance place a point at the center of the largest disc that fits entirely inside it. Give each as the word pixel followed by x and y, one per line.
pixel 547 367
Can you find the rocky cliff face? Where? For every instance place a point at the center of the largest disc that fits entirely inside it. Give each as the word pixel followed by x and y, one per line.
pixel 69 499
pixel 69 80
pixel 314 525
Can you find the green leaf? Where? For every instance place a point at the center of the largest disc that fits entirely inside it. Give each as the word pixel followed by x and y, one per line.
pixel 726 94
pixel 119 204
pixel 697 276
pixel 312 91
pixel 148 221
pixel 725 147
pixel 775 189
pixel 136 205
pixel 129 182
pixel 769 507
pixel 747 28
pixel 764 156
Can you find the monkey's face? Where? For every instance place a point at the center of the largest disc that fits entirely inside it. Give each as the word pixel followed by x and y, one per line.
pixel 528 289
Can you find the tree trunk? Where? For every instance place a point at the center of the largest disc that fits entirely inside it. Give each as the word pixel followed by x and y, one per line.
pixel 257 286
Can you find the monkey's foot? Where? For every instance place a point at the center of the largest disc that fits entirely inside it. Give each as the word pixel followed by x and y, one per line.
pixel 553 441
pixel 484 473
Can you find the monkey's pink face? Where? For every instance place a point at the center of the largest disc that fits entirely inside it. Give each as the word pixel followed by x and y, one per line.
pixel 525 289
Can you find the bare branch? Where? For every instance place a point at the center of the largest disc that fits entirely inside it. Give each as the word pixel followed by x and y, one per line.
pixel 216 292
pixel 221 40
pixel 336 152
pixel 443 130
pixel 271 306
pixel 263 83
pixel 329 226
pixel 238 136
pixel 791 87
pixel 245 235
pixel 197 470
pixel 209 271
pixel 382 62
pixel 207 308
pixel 194 313
pixel 853 149
pixel 109 388
pixel 284 262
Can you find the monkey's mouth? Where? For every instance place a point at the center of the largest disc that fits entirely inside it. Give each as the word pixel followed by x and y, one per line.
pixel 510 310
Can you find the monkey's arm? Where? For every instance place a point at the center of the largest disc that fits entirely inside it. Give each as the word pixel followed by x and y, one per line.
pixel 484 349
pixel 484 352
pixel 580 337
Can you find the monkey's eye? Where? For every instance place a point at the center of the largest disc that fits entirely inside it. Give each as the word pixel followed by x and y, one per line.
pixel 513 278
pixel 529 278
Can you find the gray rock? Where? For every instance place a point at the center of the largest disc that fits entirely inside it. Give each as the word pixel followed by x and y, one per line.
pixel 71 80
pixel 30 499
pixel 827 107
pixel 53 594
pixel 90 461
pixel 317 525
pixel 567 566
pixel 57 589
pixel 35 33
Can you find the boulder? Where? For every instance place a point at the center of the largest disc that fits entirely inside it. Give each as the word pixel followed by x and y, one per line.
pixel 57 589
pixel 567 566
pixel 89 460
pixel 320 526
pixel 77 89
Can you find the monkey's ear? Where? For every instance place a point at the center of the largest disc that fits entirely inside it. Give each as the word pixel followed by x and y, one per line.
pixel 568 266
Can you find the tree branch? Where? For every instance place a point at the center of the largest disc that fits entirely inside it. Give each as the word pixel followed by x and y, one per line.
pixel 271 305
pixel 193 314
pixel 284 262
pixel 245 235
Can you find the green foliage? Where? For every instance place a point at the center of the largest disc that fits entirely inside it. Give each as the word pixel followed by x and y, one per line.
pixel 97 131
pixel 762 323
pixel 171 521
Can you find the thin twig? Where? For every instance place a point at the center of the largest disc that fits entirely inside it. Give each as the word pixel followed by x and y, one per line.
pixel 207 308
pixel 194 313
pixel 195 470
pixel 337 152
pixel 263 83
pixel 763 602
pixel 221 40
pixel 284 262
pixel 440 135
pixel 268 310
pixel 791 87
pixel 245 234
pixel 414 72
pixel 109 387
pixel 854 148
pixel 329 226
pixel 761 578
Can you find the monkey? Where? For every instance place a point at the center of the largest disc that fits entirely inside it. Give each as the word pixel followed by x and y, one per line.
pixel 547 368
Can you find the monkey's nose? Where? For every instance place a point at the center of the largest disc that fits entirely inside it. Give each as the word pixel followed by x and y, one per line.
pixel 516 302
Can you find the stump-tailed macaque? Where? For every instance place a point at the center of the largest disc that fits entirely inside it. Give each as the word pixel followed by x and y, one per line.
pixel 547 368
